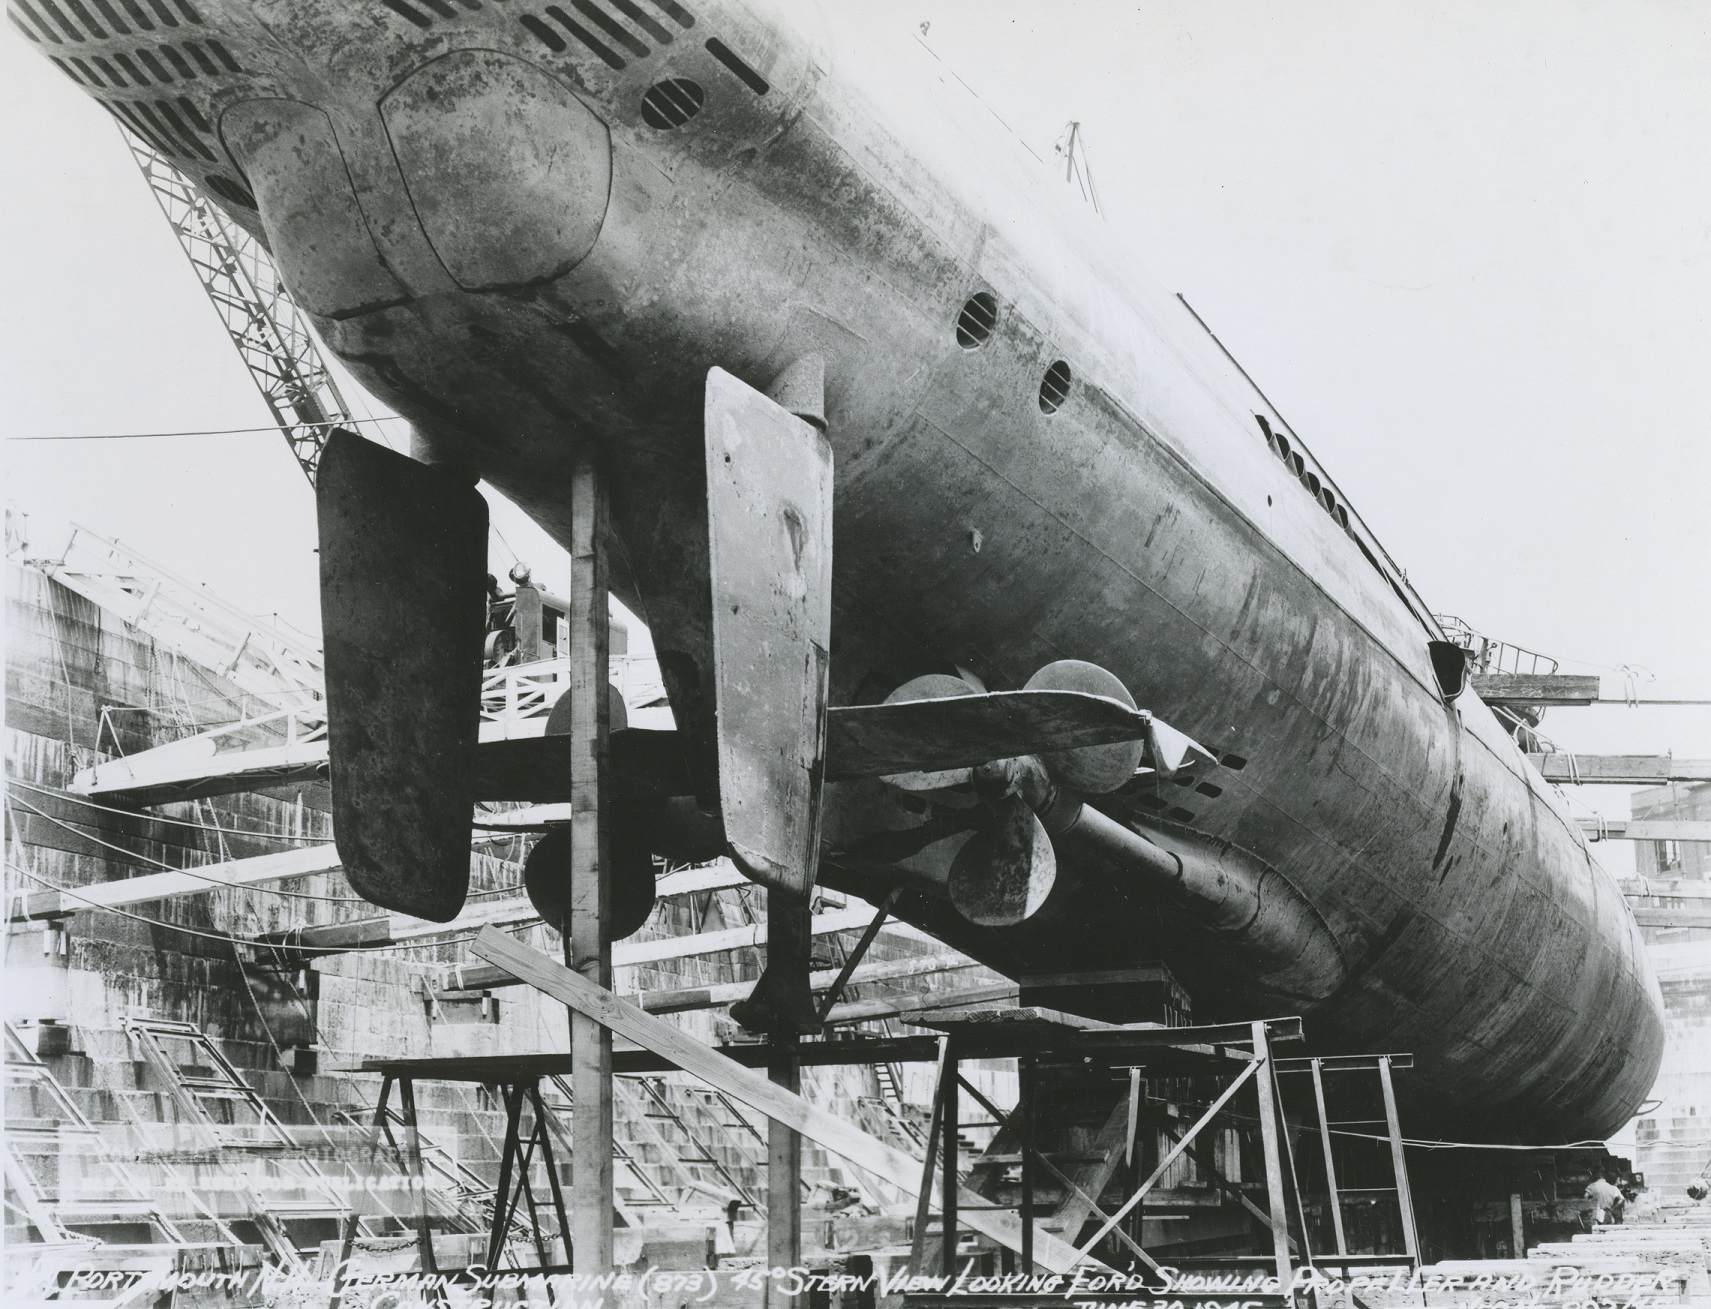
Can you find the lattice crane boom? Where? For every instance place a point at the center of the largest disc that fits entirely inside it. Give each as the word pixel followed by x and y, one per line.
pixel 269 331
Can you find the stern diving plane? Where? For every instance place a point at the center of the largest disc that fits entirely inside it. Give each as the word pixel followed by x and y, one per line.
pixel 948 526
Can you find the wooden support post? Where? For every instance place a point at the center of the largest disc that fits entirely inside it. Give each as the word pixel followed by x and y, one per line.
pixel 525 1164
pixel 418 1182
pixel 836 991
pixel 1305 1249
pixel 952 1162
pixel 1273 1159
pixel 588 942
pixel 1132 1161
pixel 1188 1138
pixel 929 1164
pixel 1025 1113
pixel 783 1162
pixel 1330 1162
pixel 552 1165
pixel 354 1220
pixel 1399 1160
pixel 787 938
pixel 1517 1228
pixel 507 1160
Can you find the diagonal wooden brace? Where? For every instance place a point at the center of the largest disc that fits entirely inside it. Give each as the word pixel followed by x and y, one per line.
pixel 836 1134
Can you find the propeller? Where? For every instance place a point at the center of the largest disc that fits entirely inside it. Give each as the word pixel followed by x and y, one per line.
pixel 1004 873
pixel 1091 769
pixel 934 686
pixel 1007 869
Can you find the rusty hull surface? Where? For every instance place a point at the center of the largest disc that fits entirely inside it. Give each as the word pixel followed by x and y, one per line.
pixel 488 232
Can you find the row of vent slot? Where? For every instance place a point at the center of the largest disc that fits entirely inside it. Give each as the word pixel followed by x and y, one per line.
pixel 152 68
pixel 616 33
pixel 1327 500
pixel 1293 460
pixel 163 128
pixel 83 26
pixel 597 29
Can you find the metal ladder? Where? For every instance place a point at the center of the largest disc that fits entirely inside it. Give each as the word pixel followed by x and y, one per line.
pixel 212 1097
pixel 734 1123
pixel 652 1194
pixel 35 1136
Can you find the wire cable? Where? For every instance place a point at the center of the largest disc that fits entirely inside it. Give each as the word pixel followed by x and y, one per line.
pixel 240 940
pixel 213 431
pixel 216 882
pixel 192 872
pixel 161 818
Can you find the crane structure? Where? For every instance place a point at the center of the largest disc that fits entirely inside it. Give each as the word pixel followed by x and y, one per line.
pixel 245 289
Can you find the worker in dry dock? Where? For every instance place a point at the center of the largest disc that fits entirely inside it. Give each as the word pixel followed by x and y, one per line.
pixel 1607 1200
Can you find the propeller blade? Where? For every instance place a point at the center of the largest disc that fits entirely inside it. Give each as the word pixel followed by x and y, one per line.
pixel 1090 769
pixel 964 730
pixel 933 686
pixel 403 609
pixel 1006 871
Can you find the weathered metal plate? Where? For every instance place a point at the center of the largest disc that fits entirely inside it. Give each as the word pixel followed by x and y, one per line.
pixel 961 731
pixel 769 513
pixel 403 607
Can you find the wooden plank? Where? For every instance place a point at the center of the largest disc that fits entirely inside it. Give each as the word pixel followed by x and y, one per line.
pixel 836 1134
pixel 1672 890
pixel 922 1004
pixel 707 997
pixel 625 954
pixel 1278 1216
pixel 634 1061
pixel 1536 688
pixel 1666 918
pixel 1646 829
pixel 1092 1176
pixel 1399 1161
pixel 301 862
pixel 1620 769
pixel 169 773
pixel 733 938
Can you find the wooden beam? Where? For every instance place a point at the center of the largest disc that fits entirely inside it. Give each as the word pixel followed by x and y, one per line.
pixel 734 938
pixel 1170 1158
pixel 1668 918
pixel 1620 769
pixel 836 1134
pixel 1536 688
pixel 1268 1130
pixel 1092 1176
pixel 302 862
pixel 1672 890
pixel 921 1002
pixel 588 940
pixel 628 954
pixel 1399 1161
pixel 1646 829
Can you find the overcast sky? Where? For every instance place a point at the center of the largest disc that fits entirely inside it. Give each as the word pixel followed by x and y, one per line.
pixel 1466 249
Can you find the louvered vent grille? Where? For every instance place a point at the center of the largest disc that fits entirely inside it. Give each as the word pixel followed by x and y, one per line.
pixel 1054 389
pixel 976 321
pixel 672 103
